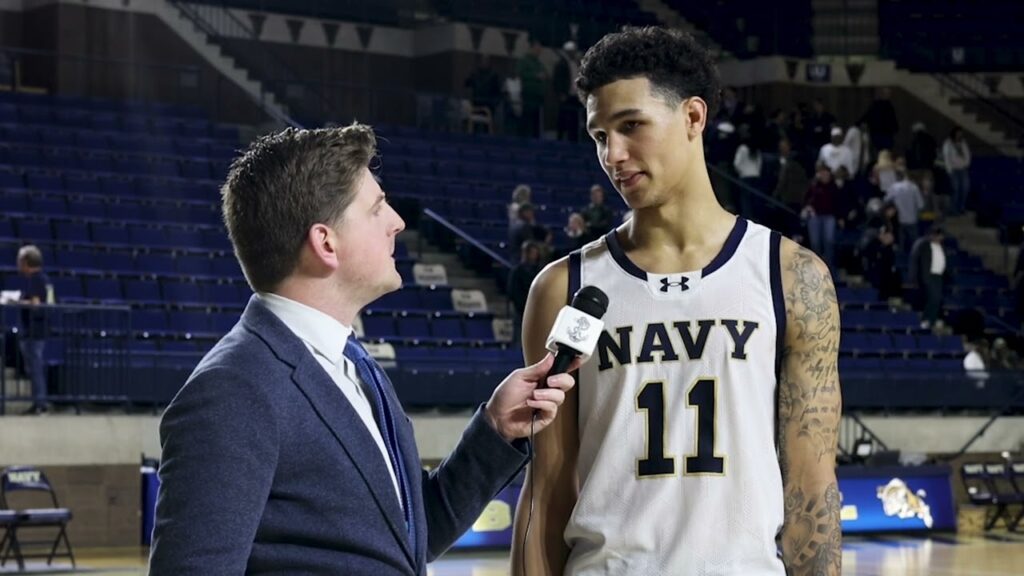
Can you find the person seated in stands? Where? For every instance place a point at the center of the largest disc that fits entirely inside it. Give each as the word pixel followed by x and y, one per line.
pixel 484 85
pixel 36 290
pixel 977 360
pixel 929 271
pixel 598 217
pixel 530 229
pixel 519 281
pixel 520 196
pixel 576 232
pixel 1004 357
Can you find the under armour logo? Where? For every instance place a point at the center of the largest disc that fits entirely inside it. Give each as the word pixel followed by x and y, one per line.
pixel 578 333
pixel 666 284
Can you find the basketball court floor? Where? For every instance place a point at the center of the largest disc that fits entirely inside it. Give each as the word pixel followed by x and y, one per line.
pixel 993 554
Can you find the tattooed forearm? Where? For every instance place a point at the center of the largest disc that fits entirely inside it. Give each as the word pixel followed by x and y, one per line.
pixel 811 539
pixel 808 418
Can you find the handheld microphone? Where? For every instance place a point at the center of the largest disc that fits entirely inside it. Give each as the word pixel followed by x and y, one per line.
pixel 577 328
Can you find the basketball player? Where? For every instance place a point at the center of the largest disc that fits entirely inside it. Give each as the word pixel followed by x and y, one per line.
pixel 705 436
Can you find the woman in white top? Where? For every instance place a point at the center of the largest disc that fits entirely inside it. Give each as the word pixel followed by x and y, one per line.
pixel 885 171
pixel 520 195
pixel 747 163
pixel 957 156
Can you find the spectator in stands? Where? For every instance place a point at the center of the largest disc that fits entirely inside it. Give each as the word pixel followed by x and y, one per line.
pixel 883 124
pixel 836 154
pixel 859 143
pixel 777 129
pixel 530 229
pixel 790 186
pixel 931 209
pixel 36 290
pixel 820 213
pixel 820 124
pixel 534 77
pixel 922 152
pixel 287 450
pixel 731 105
pixel 884 171
pixel 564 81
pixel 849 208
pixel 1018 279
pixel 519 281
pixel 576 232
pixel 1004 357
pixel 929 271
pixel 520 197
pixel 977 360
pixel 747 163
pixel 484 86
pixel 879 261
pixel 957 156
pixel 907 198
pixel 512 104
pixel 597 215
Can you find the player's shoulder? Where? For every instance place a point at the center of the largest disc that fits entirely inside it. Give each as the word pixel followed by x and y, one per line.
pixel 553 280
pixel 801 266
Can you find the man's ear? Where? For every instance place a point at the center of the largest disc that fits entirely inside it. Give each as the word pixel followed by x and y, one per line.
pixel 696 111
pixel 322 241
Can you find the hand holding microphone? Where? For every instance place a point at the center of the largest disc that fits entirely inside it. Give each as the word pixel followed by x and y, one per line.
pixel 532 395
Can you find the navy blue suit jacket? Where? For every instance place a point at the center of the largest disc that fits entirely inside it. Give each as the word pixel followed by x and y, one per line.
pixel 267 469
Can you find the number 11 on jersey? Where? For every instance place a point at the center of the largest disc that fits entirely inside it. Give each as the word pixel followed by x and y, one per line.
pixel 701 397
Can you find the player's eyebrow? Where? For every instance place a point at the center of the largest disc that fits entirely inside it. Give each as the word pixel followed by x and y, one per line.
pixel 616 116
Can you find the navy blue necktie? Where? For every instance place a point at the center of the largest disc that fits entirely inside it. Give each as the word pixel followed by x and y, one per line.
pixel 377 382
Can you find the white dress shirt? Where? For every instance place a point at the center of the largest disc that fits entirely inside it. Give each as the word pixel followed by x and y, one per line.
pixel 325 339
pixel 938 259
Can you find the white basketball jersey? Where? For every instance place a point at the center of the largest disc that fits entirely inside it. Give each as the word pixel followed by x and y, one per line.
pixel 677 462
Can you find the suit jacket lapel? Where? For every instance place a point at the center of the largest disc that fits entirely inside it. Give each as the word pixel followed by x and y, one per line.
pixel 335 412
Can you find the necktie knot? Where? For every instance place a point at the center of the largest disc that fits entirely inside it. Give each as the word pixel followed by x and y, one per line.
pixel 354 351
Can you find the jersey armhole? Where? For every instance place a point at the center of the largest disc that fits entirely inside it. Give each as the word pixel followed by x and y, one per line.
pixel 575 273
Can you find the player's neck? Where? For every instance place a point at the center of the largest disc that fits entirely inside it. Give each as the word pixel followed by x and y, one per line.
pixel 692 218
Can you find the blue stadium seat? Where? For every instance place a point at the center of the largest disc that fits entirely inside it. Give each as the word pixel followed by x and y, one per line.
pixel 194 265
pixel 405 299
pixel 147 291
pixel 479 328
pixel 180 292
pixel 413 327
pixel 109 234
pixel 34 230
pixel 448 328
pixel 156 263
pixel 379 325
pixel 66 287
pixel 71 231
pixel 149 320
pixel 223 294
pixel 437 298
pixel 222 322
pixel 189 322
pixel 105 289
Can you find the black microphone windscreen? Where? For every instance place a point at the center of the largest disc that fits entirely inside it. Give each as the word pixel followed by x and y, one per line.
pixel 591 300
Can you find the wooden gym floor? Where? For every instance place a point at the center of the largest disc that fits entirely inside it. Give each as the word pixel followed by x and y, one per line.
pixel 997 553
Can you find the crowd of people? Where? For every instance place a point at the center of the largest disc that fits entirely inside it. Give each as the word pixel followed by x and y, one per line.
pixel 805 173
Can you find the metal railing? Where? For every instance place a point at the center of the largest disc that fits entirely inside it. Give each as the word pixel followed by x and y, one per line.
pixel 216 23
pixel 469 239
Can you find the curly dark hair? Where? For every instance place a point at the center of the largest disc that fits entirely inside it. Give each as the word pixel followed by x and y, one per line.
pixel 677 66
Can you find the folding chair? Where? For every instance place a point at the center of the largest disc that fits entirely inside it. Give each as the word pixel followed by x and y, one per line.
pixel 30 479
pixel 9 545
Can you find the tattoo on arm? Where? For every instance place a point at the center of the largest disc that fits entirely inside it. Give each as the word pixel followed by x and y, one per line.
pixel 809 411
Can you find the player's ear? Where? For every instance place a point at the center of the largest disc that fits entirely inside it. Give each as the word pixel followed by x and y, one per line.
pixel 696 111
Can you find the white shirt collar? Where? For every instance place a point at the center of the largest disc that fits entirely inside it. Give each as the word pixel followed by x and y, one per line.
pixel 323 333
